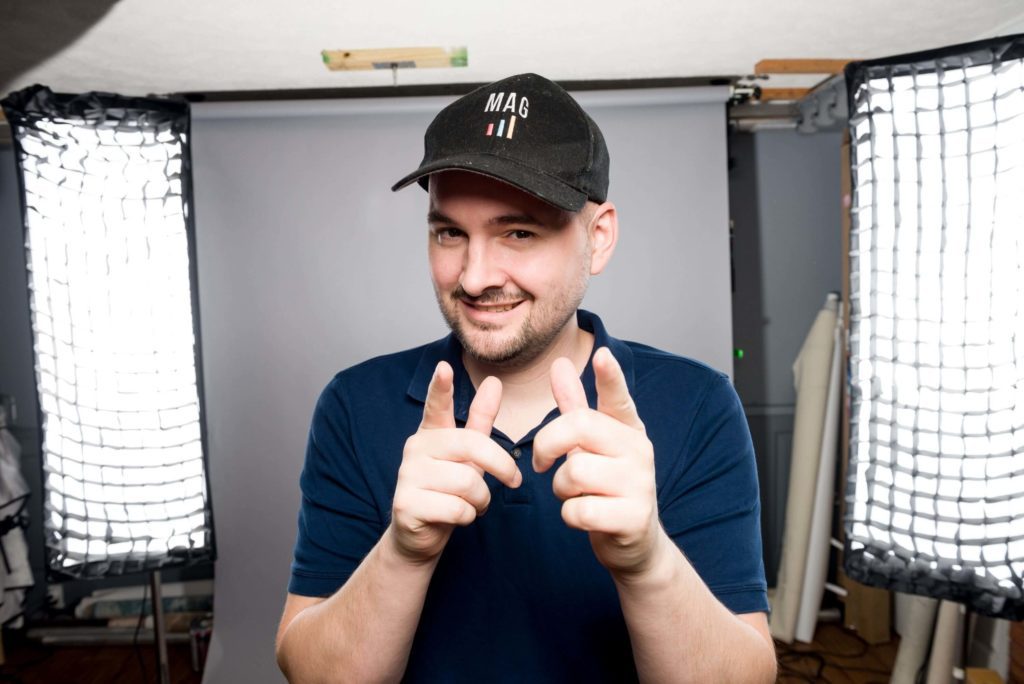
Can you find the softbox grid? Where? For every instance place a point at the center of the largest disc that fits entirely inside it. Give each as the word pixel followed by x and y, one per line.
pixel 106 198
pixel 935 491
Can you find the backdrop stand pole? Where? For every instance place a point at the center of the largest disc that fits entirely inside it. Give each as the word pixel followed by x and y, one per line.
pixel 159 634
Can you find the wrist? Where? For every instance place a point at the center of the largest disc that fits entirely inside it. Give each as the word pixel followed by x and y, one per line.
pixel 395 556
pixel 660 569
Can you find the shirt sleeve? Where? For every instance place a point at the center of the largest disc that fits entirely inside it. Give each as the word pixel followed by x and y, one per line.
pixel 712 508
pixel 339 523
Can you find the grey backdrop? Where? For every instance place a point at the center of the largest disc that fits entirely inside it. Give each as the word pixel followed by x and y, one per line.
pixel 308 263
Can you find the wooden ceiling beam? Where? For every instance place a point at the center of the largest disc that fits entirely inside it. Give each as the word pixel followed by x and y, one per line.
pixel 770 94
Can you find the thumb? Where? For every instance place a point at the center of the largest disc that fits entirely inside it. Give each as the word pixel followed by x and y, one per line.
pixel 439 408
pixel 567 386
pixel 613 397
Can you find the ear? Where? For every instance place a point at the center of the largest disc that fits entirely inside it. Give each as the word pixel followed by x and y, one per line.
pixel 604 233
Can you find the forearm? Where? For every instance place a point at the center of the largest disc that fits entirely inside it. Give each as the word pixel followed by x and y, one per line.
pixel 362 633
pixel 681 633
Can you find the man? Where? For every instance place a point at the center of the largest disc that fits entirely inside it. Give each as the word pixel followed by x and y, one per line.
pixel 441 538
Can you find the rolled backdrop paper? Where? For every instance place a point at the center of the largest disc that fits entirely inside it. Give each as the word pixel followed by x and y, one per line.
pixel 816 567
pixel 915 623
pixel 990 645
pixel 811 378
pixel 901 605
pixel 917 615
pixel 945 643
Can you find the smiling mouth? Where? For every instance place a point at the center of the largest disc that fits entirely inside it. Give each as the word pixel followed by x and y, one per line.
pixel 492 308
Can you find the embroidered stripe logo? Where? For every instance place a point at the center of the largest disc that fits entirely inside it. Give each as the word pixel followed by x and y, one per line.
pixel 501 132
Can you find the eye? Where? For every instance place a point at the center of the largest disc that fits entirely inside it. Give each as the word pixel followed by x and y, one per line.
pixel 521 234
pixel 447 235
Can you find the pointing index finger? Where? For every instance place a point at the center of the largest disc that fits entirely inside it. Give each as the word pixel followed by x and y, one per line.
pixel 613 397
pixel 439 408
pixel 484 408
pixel 569 394
pixel 567 386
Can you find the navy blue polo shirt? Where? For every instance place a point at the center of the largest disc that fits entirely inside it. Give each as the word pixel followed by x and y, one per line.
pixel 517 595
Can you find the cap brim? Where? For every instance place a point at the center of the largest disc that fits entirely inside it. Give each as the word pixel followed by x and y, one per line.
pixel 550 190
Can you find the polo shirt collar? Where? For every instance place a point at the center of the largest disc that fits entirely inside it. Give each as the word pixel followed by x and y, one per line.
pixel 448 349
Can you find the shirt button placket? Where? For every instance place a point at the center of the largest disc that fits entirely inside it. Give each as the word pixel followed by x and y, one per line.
pixel 520 495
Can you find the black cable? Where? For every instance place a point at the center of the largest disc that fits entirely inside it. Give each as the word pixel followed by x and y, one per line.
pixel 138 626
pixel 864 647
pixel 787 654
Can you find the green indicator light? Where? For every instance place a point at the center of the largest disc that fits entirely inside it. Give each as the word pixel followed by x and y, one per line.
pixel 738 353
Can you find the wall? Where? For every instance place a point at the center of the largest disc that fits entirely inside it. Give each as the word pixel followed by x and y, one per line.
pixel 784 201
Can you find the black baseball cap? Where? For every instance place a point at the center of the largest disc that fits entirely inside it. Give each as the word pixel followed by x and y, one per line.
pixel 526 131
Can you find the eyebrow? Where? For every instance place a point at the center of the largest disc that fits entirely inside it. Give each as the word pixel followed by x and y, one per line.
pixel 434 216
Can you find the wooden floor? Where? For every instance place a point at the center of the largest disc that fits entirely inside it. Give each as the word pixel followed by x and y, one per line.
pixel 28 662
pixel 836 656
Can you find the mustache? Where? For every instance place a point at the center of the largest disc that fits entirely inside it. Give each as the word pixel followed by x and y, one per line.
pixel 489 297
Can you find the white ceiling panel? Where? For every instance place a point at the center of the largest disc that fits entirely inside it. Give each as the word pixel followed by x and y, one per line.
pixel 136 47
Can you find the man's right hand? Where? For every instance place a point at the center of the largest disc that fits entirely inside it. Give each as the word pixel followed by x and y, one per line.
pixel 440 482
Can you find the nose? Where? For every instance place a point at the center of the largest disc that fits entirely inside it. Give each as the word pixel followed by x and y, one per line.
pixel 480 270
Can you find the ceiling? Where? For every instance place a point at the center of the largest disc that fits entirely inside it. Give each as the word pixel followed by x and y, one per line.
pixel 139 47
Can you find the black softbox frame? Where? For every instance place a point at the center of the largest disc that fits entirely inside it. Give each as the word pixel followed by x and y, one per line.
pixel 28 111
pixel 877 561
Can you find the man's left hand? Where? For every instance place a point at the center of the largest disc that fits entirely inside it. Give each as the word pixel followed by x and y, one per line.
pixel 607 482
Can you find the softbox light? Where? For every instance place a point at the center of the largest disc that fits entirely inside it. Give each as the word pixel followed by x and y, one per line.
pixel 935 491
pixel 106 200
